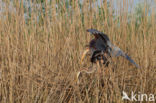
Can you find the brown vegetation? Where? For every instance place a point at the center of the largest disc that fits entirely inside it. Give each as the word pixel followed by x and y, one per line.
pixel 39 58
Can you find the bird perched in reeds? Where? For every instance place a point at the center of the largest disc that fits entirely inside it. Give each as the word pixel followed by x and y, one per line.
pixel 101 50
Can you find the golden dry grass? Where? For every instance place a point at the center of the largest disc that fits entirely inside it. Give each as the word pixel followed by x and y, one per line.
pixel 39 59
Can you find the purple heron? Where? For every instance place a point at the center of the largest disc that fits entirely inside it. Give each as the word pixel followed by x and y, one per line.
pixel 101 48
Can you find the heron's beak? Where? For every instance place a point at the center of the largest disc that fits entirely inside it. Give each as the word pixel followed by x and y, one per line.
pixel 84 54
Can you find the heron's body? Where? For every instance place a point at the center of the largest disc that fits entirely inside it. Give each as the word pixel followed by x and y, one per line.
pixel 101 48
pixel 97 49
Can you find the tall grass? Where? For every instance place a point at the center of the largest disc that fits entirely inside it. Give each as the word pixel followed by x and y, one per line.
pixel 39 55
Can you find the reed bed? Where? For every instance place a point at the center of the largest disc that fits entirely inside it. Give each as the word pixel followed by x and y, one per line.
pixel 40 54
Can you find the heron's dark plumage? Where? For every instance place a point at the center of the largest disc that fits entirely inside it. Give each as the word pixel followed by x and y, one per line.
pixel 101 43
pixel 99 34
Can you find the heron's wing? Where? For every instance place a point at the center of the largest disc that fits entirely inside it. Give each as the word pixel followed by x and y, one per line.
pixel 128 58
pixel 118 52
pixel 99 34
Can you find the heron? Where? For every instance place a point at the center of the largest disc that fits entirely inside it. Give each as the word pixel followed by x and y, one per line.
pixel 101 49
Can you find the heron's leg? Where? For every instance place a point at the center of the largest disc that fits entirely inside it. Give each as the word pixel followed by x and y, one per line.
pixel 84 54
